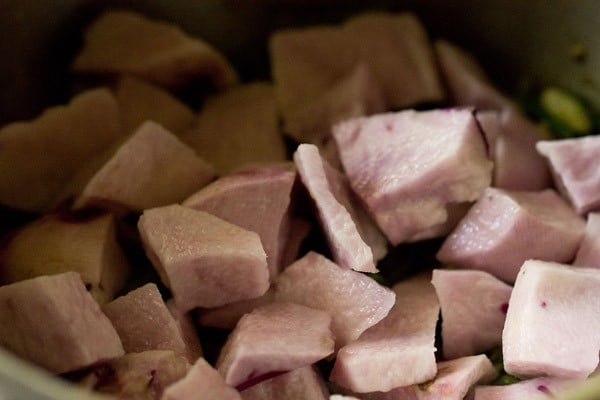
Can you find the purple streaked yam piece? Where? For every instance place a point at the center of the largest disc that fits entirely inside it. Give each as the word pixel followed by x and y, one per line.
pixel 512 139
pixel 151 169
pixel 238 127
pixel 138 375
pixel 337 210
pixel 273 338
pixel 474 305
pixel 399 350
pixel 505 228
pixel 124 42
pixel 228 315
pixel 407 167
pixel 257 200
pixel 300 384
pixel 204 260
pixel 455 380
pixel 588 254
pixel 201 382
pixel 574 164
pixel 543 388
pixel 553 323
pixel 354 301
pixel 143 321
pixel 187 330
pixel 54 322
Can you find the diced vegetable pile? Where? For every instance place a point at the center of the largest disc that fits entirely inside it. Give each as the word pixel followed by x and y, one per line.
pixel 256 248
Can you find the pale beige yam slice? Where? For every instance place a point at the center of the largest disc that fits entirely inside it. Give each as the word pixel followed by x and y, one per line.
pixel 55 244
pixel 152 168
pixel 124 42
pixel 39 157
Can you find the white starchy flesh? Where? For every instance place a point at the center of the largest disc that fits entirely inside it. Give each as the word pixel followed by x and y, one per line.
pixel 204 260
pixel 397 51
pixel 337 210
pixel 544 388
pixel 588 254
pixel 511 140
pixel 355 95
pixel 354 301
pixel 505 228
pixel 144 323
pixel 300 384
pixel 201 382
pixel 257 200
pixel 274 338
pixel 407 167
pixel 43 314
pixel 474 305
pixel 553 323
pixel 467 83
pixel 187 330
pixel 86 245
pixel 228 315
pixel 399 350
pixel 455 380
pixel 47 151
pixel 138 375
pixel 140 101
pixel 151 169
pixel 574 165
pixel 238 127
pixel 123 42
pixel 340 397
pixel 297 230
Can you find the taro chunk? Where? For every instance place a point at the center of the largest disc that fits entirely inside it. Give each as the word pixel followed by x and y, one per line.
pixel 588 254
pixel 151 169
pixel 61 243
pixel 274 338
pixel 474 305
pixel 187 329
pixel 553 322
pixel 408 167
pixel 54 322
pixel 531 389
pixel 574 163
pixel 300 384
pixel 257 200
pixel 123 42
pixel 505 228
pixel 38 158
pixel 205 261
pixel 354 301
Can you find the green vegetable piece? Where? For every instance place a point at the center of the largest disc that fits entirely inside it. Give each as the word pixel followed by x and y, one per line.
pixel 567 110
pixel 506 379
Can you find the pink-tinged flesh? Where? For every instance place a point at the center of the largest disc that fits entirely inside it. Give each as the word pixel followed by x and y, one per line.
pixel 257 200
pixel 140 101
pixel 54 322
pixel 473 307
pixel 300 384
pixel 151 169
pixel 237 128
pixel 553 323
pixel 455 380
pixel 407 167
pixel 505 228
pixel 543 388
pixel 273 338
pixel 138 375
pixel 512 139
pixel 354 301
pixel 399 350
pixel 201 382
pixel 38 158
pixel 123 42
pixel 574 166
pixel 337 210
pixel 588 254
pixel 204 260
pixel 143 321
pixel 227 316
pixel 187 330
